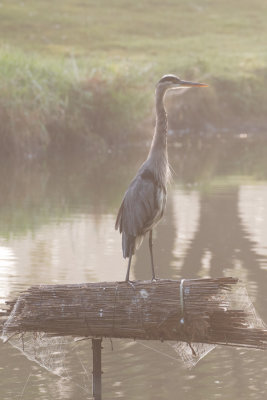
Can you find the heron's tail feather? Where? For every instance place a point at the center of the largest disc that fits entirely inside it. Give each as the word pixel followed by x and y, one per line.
pixel 118 223
pixel 130 243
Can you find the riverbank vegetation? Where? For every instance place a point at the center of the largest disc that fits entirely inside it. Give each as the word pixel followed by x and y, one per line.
pixel 80 75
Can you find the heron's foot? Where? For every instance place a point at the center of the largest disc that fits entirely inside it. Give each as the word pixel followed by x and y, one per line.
pixel 154 279
pixel 131 283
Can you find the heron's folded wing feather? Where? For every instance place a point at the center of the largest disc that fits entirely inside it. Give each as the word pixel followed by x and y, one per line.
pixel 138 207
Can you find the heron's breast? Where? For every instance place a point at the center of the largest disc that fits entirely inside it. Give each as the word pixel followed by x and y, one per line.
pixel 161 200
pixel 160 206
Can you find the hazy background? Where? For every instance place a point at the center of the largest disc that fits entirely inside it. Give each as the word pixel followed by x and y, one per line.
pixel 74 74
pixel 77 83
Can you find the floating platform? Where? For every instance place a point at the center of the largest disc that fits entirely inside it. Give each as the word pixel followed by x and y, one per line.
pixel 212 311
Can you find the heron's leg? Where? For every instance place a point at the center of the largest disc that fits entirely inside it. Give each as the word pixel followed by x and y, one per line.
pixel 151 255
pixel 128 270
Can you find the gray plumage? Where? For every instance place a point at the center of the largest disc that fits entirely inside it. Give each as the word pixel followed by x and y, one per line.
pixel 144 202
pixel 142 207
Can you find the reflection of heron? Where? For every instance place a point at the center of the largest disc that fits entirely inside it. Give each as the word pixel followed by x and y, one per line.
pixel 145 199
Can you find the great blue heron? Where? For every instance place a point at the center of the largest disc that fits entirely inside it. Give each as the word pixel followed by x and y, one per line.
pixel 144 202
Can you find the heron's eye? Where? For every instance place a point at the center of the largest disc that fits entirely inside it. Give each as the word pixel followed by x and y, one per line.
pixel 169 79
pixel 165 79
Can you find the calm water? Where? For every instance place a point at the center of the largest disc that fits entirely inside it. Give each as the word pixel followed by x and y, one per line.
pixel 57 226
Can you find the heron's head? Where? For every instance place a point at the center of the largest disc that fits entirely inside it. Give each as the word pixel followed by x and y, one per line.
pixel 168 82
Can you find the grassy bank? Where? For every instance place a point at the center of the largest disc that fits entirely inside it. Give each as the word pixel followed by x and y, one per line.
pixel 81 74
pixel 46 107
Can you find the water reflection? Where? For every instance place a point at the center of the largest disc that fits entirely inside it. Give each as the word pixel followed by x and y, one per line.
pixel 7 263
pixel 253 211
pixel 57 226
pixel 220 234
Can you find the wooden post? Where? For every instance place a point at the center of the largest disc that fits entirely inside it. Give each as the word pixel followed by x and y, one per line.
pixel 97 389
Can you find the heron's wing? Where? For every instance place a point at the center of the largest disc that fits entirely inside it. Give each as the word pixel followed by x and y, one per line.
pixel 139 206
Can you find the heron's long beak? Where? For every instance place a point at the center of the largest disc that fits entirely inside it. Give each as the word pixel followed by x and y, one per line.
pixel 188 84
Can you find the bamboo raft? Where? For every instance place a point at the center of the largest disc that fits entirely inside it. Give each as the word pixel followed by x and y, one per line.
pixel 193 310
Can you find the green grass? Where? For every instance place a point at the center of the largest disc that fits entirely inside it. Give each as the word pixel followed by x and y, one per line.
pixel 53 105
pixel 218 37
pixel 63 61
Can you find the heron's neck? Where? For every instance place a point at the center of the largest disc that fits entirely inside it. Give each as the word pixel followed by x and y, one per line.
pixel 158 156
pixel 159 142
